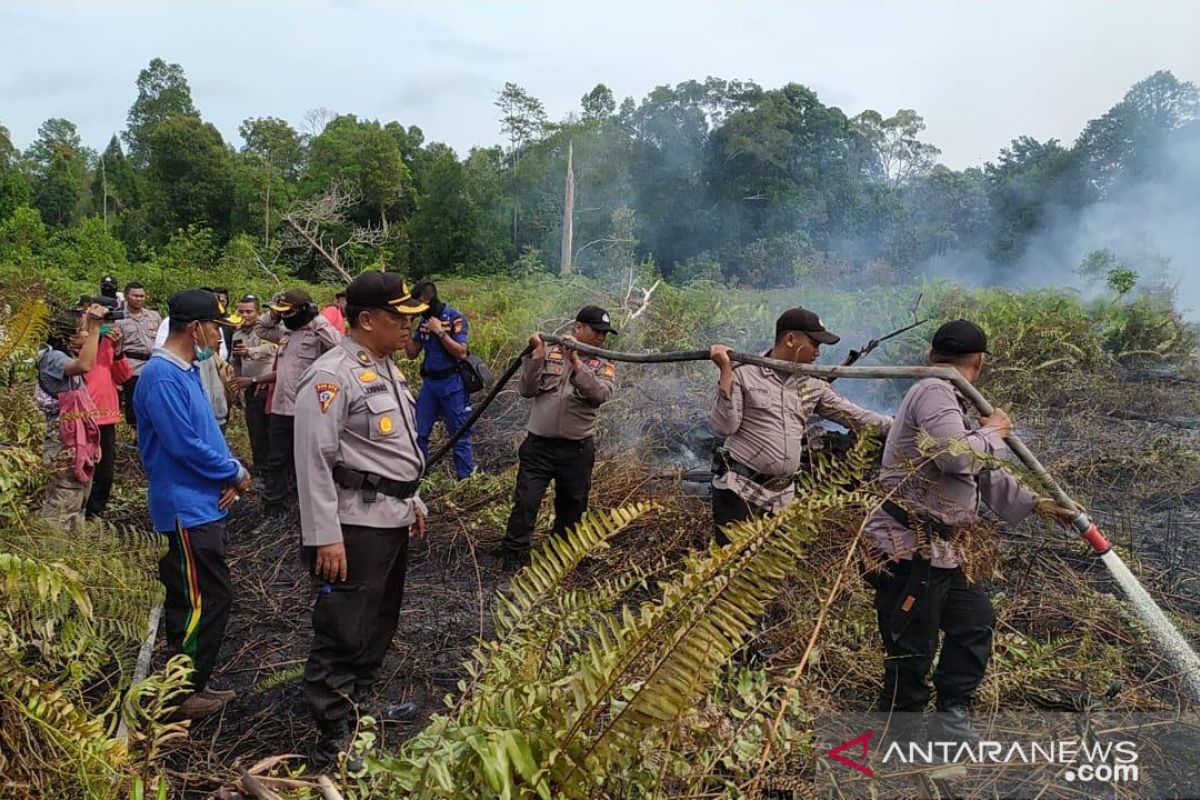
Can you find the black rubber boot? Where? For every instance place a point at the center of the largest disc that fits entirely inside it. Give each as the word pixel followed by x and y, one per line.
pixel 389 710
pixel 513 560
pixel 952 724
pixel 333 739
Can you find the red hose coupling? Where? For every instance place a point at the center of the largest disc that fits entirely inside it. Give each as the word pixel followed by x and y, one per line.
pixel 1096 539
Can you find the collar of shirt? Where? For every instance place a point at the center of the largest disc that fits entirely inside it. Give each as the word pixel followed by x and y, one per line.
pixel 174 359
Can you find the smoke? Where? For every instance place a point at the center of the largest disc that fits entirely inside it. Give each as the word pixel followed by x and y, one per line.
pixel 1150 223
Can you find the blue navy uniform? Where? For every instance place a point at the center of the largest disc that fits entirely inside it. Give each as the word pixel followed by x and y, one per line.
pixel 442 391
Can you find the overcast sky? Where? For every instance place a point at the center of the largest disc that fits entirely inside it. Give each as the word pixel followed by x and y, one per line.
pixel 980 73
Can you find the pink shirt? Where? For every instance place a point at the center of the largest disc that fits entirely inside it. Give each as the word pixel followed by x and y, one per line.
pixel 334 315
pixel 106 374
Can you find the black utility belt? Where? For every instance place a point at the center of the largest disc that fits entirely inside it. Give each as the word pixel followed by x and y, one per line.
pixel 137 355
pixel 723 462
pixel 914 522
pixel 372 485
pixel 438 374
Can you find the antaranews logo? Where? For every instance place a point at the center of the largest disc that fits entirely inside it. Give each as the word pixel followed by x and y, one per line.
pixel 861 741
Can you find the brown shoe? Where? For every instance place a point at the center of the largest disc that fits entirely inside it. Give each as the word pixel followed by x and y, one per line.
pixel 199 705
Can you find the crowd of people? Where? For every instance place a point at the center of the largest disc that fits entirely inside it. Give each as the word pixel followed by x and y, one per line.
pixel 335 432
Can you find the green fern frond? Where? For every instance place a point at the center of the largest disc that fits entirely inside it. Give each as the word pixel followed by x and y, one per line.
pixel 22 331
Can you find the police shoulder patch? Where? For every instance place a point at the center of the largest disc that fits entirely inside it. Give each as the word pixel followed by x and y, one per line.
pixel 609 369
pixel 326 394
pixel 457 325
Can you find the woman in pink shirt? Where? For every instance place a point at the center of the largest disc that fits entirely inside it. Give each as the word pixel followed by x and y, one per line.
pixel 110 371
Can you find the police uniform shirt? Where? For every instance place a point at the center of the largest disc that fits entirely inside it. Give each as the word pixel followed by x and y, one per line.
pixel 566 402
pixel 948 487
pixel 259 354
pixel 297 350
pixel 138 333
pixel 354 410
pixel 764 420
pixel 436 357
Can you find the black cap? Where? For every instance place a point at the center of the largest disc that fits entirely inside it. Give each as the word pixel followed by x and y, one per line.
pixel 108 280
pixel 801 319
pixel 383 290
pixel 960 337
pixel 596 318
pixel 193 305
pixel 291 299
pixel 249 298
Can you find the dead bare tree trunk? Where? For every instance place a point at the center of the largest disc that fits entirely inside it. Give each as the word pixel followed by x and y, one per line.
pixel 568 235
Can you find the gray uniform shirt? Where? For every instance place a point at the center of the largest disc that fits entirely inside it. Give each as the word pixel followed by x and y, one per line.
pixel 138 333
pixel 948 487
pixel 298 349
pixel 764 420
pixel 259 354
pixel 566 402
pixel 354 410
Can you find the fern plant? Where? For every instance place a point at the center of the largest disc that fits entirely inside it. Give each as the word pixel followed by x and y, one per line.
pixel 587 692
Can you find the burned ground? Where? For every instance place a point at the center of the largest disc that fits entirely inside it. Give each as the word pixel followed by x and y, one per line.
pixel 1130 451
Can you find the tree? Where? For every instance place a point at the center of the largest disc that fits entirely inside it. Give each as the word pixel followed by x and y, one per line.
pixel 14 189
pixel 361 153
pixel 522 117
pixel 163 93
pixel 275 153
pixel 116 188
pixel 1129 138
pixel 190 176
pixel 58 165
pixel 598 103
pixel 902 155
pixel 1026 180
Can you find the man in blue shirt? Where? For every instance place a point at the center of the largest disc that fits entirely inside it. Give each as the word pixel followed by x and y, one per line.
pixel 193 483
pixel 442 334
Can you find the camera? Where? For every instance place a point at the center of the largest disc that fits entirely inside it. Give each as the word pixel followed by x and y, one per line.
pixel 114 315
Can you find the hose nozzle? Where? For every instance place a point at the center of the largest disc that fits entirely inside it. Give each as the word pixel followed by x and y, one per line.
pixel 1091 534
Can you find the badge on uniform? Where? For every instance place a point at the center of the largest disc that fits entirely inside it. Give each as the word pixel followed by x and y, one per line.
pixel 363 357
pixel 385 424
pixel 456 326
pixel 554 354
pixel 609 369
pixel 368 376
pixel 326 393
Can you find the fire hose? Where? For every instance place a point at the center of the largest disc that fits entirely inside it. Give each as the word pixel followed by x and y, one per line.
pixel 1176 649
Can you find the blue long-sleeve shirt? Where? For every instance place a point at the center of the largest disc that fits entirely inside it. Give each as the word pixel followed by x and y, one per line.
pixel 183 451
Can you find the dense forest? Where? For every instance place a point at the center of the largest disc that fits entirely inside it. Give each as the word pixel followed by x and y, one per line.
pixel 713 179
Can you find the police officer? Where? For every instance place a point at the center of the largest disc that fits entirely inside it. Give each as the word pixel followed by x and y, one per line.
pixel 443 336
pixel 922 588
pixel 567 391
pixel 305 336
pixel 358 462
pixel 764 413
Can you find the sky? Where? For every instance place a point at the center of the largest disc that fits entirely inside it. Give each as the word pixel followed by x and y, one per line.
pixel 980 73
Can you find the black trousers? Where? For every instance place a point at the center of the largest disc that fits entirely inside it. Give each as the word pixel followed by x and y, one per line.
pixel 729 507
pixel 127 401
pixel 199 595
pixel 280 489
pixel 354 621
pixel 258 423
pixel 566 462
pixel 962 611
pixel 102 479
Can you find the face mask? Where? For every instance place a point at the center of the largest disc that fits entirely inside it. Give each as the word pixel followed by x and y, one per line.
pixel 202 353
